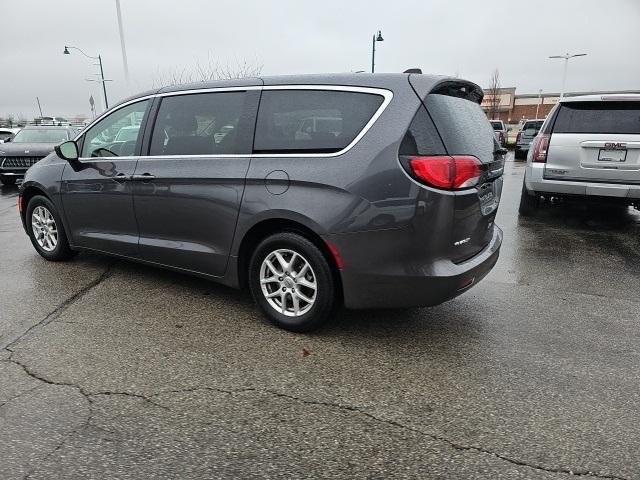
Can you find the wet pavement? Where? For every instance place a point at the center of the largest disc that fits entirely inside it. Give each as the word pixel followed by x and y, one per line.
pixel 110 369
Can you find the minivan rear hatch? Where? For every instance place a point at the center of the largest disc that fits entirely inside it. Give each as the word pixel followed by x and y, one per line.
pixel 596 141
pixel 465 131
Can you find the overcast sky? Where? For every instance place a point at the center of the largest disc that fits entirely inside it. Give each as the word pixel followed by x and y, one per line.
pixel 468 38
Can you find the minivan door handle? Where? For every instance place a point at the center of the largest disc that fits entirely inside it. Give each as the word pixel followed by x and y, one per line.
pixel 121 177
pixel 145 177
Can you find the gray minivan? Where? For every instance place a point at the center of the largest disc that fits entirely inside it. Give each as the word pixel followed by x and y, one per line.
pixel 393 206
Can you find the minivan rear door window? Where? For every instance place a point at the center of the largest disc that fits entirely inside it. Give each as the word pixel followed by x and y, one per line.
pixel 463 126
pixel 312 121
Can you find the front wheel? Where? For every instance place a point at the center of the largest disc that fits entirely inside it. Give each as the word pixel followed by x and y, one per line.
pixel 46 231
pixel 291 281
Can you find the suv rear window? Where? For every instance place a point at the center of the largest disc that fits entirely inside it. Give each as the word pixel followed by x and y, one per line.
pixel 463 126
pixel 496 125
pixel 598 117
pixel 311 121
pixel 532 125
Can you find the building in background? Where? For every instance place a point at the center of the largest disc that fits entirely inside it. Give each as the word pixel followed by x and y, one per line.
pixel 512 108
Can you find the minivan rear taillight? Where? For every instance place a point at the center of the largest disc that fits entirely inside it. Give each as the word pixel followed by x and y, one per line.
pixel 451 173
pixel 501 136
pixel 518 137
pixel 542 145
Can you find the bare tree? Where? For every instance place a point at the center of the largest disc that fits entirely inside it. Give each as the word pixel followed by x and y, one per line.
pixel 10 117
pixel 494 95
pixel 211 70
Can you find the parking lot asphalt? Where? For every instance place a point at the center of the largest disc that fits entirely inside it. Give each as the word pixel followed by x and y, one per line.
pixel 109 369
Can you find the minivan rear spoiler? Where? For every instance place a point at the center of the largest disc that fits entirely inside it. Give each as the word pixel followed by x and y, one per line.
pixel 467 90
pixel 424 85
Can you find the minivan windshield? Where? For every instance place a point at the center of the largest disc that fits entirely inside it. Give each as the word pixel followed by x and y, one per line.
pixel 41 135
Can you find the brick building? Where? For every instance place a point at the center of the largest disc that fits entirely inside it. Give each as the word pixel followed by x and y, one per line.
pixel 512 108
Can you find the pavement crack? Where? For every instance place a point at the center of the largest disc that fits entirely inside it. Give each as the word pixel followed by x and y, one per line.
pixel 129 394
pixel 61 307
pixel 451 443
pixel 19 395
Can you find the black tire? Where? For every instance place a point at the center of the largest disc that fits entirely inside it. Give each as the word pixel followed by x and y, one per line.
pixel 62 251
pixel 326 294
pixel 7 180
pixel 529 202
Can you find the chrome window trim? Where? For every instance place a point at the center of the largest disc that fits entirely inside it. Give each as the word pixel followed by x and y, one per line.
pixel 110 111
pixel 386 94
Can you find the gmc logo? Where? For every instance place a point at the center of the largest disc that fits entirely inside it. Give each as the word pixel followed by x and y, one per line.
pixel 615 146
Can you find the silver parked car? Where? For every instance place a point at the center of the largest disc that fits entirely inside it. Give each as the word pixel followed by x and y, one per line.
pixel 525 136
pixel 589 146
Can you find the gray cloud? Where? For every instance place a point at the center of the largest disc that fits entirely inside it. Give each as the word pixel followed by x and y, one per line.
pixel 467 37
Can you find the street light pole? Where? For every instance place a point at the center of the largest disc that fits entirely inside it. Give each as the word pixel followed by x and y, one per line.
pixel 99 58
pixel 539 102
pixel 566 58
pixel 376 38
pixel 104 87
pixel 122 47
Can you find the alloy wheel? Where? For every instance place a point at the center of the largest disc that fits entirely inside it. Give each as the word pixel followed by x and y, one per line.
pixel 44 228
pixel 288 282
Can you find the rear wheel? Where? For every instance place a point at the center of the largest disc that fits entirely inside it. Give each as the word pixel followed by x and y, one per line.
pixel 291 281
pixel 7 180
pixel 46 231
pixel 529 202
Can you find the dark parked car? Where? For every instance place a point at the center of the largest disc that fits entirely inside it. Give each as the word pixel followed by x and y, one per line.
pixel 393 206
pixel 29 146
pixel 525 136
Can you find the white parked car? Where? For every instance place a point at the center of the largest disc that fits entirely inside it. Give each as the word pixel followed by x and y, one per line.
pixel 588 147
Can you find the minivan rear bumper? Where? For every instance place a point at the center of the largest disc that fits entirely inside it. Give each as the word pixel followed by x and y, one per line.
pixel 411 285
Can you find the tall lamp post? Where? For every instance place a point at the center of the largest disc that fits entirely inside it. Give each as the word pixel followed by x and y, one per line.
pixel 102 80
pixel 125 64
pixel 539 102
pixel 566 58
pixel 377 37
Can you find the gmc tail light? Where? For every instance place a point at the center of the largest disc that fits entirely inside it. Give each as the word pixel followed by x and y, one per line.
pixel 501 136
pixel 518 137
pixel 542 145
pixel 451 173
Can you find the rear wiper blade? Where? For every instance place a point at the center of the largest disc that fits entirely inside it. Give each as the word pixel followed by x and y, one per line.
pixel 500 151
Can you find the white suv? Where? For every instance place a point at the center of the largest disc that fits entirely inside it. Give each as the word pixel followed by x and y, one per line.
pixel 589 146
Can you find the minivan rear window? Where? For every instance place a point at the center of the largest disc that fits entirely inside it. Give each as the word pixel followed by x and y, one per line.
pixel 598 117
pixel 311 121
pixel 463 126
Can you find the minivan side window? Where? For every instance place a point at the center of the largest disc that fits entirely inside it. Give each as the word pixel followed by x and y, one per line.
pixel 311 121
pixel 598 117
pixel 117 134
pixel 201 124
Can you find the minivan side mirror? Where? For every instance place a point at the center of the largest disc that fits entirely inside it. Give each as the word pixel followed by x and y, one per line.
pixel 67 150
